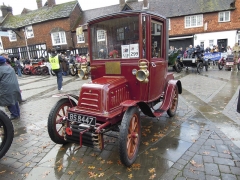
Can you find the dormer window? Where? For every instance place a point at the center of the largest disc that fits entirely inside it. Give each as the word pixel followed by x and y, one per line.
pixel 12 36
pixel 29 32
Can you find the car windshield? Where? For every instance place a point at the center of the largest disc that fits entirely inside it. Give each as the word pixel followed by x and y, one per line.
pixel 115 38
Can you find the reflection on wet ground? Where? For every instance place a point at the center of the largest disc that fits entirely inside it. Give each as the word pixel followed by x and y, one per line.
pixel 182 147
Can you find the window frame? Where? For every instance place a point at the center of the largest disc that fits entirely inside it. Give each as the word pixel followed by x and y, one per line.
pixel 79 40
pixel 210 45
pixel 197 18
pixel 60 38
pixel 10 36
pixel 224 16
pixel 28 33
pixel 101 32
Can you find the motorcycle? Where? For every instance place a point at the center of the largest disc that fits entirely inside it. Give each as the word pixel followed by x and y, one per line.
pixel 227 61
pixel 6 133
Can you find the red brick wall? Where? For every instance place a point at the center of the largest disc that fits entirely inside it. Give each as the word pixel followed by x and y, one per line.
pixel 178 24
pixel 42 32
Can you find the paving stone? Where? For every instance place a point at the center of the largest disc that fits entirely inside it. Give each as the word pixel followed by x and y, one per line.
pixel 194 174
pixel 211 169
pixel 178 166
pixel 189 153
pixel 186 157
pixel 207 159
pixel 224 169
pixel 235 170
pixel 228 176
pixel 225 155
pixel 223 161
pixel 209 177
pixel 182 161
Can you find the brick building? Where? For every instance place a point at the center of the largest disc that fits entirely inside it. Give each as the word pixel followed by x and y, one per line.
pixel 206 22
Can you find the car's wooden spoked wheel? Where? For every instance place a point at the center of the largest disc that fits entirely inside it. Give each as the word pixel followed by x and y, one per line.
pixel 55 125
pixel 132 138
pixel 62 111
pixel 129 136
pixel 173 108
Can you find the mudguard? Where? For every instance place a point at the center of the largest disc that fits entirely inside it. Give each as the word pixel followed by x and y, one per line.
pixel 69 96
pixel 167 101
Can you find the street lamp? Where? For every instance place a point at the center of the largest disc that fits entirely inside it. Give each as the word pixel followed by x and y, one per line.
pixel 26 43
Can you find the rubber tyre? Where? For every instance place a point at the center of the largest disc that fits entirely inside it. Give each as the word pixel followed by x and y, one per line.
pixel 129 136
pixel 73 71
pixel 6 128
pixel 58 111
pixel 199 67
pixel 178 67
pixel 173 108
pixel 220 66
pixel 45 70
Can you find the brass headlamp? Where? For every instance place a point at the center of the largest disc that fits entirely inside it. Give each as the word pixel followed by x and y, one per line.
pixel 143 73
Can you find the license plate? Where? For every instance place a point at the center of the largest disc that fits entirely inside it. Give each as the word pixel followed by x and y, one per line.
pixel 80 118
pixel 229 63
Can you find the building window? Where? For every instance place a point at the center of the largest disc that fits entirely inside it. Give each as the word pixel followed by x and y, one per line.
pixel 224 16
pixel 101 35
pixel 80 38
pixel 211 43
pixel 58 38
pixel 120 34
pixel 193 21
pixel 29 32
pixel 12 36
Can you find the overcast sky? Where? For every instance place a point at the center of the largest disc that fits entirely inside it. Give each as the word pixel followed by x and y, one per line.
pixel 18 5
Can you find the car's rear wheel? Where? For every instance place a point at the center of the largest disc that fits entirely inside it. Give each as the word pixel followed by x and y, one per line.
pixel 173 108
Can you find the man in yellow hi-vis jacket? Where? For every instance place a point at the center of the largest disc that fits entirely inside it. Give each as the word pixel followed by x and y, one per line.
pixel 55 61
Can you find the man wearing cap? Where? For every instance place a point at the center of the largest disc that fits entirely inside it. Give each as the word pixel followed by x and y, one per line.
pixel 5 55
pixel 56 65
pixel 9 89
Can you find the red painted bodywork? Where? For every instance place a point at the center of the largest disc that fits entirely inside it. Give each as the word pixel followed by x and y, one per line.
pixel 107 96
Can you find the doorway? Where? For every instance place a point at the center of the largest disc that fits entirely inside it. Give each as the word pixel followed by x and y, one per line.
pixel 222 45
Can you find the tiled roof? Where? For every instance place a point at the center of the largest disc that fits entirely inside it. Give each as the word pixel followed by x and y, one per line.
pixel 40 15
pixel 167 8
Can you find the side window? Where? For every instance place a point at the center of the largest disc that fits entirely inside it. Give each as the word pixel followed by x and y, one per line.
pixel 156 39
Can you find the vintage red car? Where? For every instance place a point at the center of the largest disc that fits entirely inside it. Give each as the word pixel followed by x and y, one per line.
pixel 129 73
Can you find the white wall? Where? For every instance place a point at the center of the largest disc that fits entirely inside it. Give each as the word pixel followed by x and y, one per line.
pixel 230 35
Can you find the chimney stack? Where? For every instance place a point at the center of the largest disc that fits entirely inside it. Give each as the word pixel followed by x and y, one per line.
pixel 39 3
pixel 5 10
pixel 51 3
pixel 145 4
pixel 121 2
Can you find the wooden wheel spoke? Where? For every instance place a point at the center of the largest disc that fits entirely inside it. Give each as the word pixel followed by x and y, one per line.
pixel 60 129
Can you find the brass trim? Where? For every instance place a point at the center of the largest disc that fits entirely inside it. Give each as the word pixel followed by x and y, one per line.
pixel 113 68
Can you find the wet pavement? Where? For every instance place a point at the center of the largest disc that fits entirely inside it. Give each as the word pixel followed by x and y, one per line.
pixel 201 142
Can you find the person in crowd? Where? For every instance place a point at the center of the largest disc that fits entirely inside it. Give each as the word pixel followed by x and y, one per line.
pixel 71 59
pixel 181 52
pixel 235 51
pixel 64 65
pixel 208 49
pixel 5 55
pixel 18 66
pixel 56 64
pixel 171 49
pixel 190 51
pixel 229 50
pixel 10 93
pixel 214 49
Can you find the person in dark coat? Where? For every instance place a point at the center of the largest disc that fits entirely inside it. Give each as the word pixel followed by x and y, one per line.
pixel 10 93
pixel 56 65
